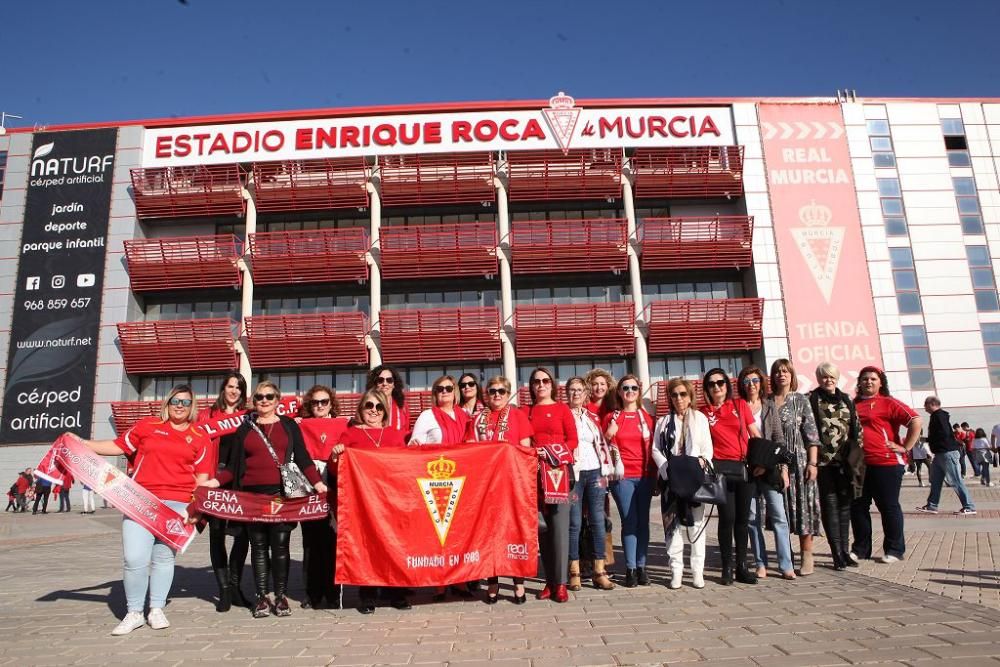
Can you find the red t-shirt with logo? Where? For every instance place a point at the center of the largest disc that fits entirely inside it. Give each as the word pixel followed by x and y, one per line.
pixel 729 438
pixel 634 446
pixel 881 418
pixel 165 459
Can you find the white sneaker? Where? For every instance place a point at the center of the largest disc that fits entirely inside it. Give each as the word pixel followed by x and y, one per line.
pixel 889 560
pixel 132 621
pixel 157 619
pixel 675 579
pixel 853 556
pixel 698 580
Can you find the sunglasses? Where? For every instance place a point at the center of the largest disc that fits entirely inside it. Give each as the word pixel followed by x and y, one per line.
pixel 372 405
pixel 678 394
pixel 321 402
pixel 383 380
pixel 576 390
pixel 540 381
pixel 630 387
pixel 444 389
pixel 466 385
pixel 186 402
pixel 264 397
pixel 715 383
pixel 497 391
pixel 747 381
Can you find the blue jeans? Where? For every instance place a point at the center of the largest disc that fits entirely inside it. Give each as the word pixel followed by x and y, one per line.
pixel 633 496
pixel 973 462
pixel 588 490
pixel 984 469
pixel 779 520
pixel 945 466
pixel 148 564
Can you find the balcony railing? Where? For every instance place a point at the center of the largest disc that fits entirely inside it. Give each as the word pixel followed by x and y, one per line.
pixel 569 246
pixel 304 185
pixel 177 346
pixel 443 178
pixel 574 330
pixel 580 174
pixel 312 339
pixel 722 242
pixel 315 256
pixel 185 262
pixel 440 334
pixel 439 251
pixel 178 192
pixel 688 172
pixel 704 325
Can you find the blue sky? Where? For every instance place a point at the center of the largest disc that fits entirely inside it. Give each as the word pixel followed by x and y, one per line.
pixel 105 60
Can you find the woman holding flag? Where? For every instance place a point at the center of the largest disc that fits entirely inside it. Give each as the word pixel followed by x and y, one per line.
pixel 169 454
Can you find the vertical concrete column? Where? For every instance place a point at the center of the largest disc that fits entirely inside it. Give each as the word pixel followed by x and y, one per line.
pixel 246 304
pixel 635 283
pixel 374 257
pixel 507 335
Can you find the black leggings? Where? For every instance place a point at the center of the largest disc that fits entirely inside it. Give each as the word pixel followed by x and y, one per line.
pixel 835 496
pixel 237 556
pixel 269 555
pixel 318 559
pixel 734 518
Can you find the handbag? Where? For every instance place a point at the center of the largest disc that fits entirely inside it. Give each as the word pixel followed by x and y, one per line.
pixel 687 480
pixel 767 454
pixel 293 483
pixel 712 490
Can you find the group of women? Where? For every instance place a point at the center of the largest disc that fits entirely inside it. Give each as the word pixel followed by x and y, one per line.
pixel 842 454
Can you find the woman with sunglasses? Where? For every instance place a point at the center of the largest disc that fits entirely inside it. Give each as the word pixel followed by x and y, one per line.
pixel 228 571
pixel 683 432
pixel 251 467
pixel 501 422
pixel 469 396
pixel 370 429
pixel 556 440
pixel 388 381
pixel 170 457
pixel 731 423
pixel 629 428
pixel 445 423
pixel 769 485
pixel 321 430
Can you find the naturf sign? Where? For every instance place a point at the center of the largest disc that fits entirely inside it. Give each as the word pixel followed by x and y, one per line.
pixel 561 126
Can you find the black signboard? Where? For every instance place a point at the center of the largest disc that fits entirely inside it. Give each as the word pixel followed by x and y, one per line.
pixel 51 364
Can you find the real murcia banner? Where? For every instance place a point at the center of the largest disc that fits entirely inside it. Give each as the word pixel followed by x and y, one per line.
pixel 561 126
pixel 824 272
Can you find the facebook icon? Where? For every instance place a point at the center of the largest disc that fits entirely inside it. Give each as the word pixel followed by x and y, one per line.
pixel 34 282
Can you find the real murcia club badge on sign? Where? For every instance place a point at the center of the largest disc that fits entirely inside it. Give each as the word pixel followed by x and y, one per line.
pixel 440 493
pixel 562 115
pixel 820 245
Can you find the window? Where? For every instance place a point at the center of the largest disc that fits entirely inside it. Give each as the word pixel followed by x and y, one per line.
pixel 991 343
pixel 904 276
pixel 984 286
pixel 955 143
pixel 3 170
pixel 693 367
pixel 881 143
pixel 968 205
pixel 682 291
pixel 893 213
pixel 918 357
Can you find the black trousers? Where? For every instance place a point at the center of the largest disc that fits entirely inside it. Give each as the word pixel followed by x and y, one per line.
pixel 43 498
pixel 236 559
pixel 835 496
pixel 734 517
pixel 269 555
pixel 318 559
pixel 882 485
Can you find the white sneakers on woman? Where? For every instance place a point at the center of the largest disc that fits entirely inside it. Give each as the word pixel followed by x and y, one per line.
pixel 135 620
pixel 157 619
pixel 675 579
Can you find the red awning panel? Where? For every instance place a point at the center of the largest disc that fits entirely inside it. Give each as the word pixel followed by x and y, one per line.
pixel 704 325
pixel 723 242
pixel 581 174
pixel 440 334
pixel 315 256
pixel 177 346
pixel 184 262
pixel 696 172
pixel 439 251
pixel 178 192
pixel 574 330
pixel 314 339
pixel 569 246
pixel 437 178
pixel 304 185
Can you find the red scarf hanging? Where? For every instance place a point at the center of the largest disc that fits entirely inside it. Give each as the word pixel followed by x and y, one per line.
pixel 452 428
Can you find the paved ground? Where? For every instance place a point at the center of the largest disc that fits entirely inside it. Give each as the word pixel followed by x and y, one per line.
pixel 62 592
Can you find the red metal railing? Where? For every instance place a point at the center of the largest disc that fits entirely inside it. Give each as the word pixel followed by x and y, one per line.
pixel 124 414
pixel 696 171
pixel 703 325
pixel 183 262
pixel 302 185
pixel 574 330
pixel 574 246
pixel 177 346
pixel 580 174
pixel 440 334
pixel 312 339
pixel 177 192
pixel 444 178
pixel 315 256
pixel 697 243
pixel 439 251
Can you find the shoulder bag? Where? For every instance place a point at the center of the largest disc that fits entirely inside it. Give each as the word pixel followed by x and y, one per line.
pixel 691 482
pixel 293 483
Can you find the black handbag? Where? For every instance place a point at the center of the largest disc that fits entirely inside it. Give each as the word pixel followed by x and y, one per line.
pixel 687 480
pixel 767 454
pixel 712 490
pixel 734 470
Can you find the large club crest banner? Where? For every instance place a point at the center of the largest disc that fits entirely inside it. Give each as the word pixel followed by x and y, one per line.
pixel 817 229
pixel 434 516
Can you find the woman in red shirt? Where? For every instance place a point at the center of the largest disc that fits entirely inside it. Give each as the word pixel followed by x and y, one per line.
pixel 881 417
pixel 389 382
pixel 170 456
pixel 602 391
pixel 228 570
pixel 370 429
pixel 321 430
pixel 556 440
pixel 501 422
pixel 629 428
pixel 251 467
pixel 469 395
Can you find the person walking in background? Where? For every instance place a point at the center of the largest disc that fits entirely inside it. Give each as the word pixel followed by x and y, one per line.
pixel 959 435
pixel 23 485
pixel 87 494
pixel 948 452
pixel 968 436
pixel 43 488
pixel 64 488
pixel 982 456
pixel 920 459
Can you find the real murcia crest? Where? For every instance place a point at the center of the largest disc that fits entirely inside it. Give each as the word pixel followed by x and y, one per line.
pixel 561 116
pixel 556 475
pixel 276 504
pixel 820 245
pixel 440 493
pixel 108 479
pixel 175 527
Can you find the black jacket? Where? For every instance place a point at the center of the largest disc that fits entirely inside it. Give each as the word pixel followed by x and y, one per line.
pixel 236 461
pixel 940 437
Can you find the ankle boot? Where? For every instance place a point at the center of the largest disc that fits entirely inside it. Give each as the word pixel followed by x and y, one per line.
pixel 236 591
pixel 225 592
pixel 601 579
pixel 807 564
pixel 630 578
pixel 745 576
pixel 727 574
pixel 574 575
pixel 641 576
